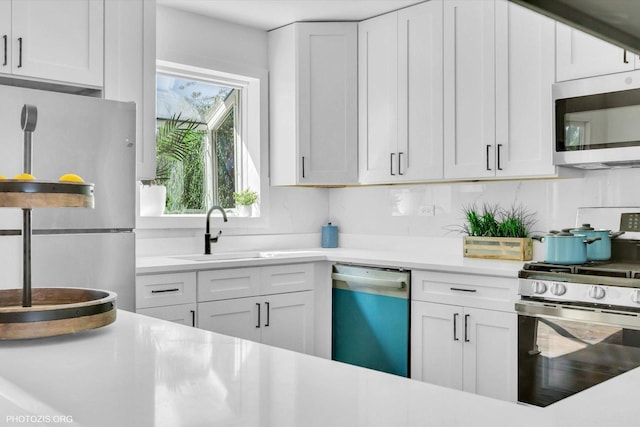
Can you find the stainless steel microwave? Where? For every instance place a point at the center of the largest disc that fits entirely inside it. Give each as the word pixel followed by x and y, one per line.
pixel 597 122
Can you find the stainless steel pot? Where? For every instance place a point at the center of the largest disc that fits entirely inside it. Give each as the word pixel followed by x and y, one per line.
pixel 600 250
pixel 565 248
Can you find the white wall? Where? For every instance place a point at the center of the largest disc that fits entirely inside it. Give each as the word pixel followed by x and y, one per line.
pixel 395 210
pixel 190 39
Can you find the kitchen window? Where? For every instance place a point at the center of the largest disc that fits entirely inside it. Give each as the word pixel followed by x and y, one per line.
pixel 222 113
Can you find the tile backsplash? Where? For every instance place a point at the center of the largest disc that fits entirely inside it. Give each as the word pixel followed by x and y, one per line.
pixel 436 210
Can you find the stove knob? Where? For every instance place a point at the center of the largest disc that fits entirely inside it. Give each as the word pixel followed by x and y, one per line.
pixel 596 292
pixel 539 287
pixel 635 296
pixel 558 289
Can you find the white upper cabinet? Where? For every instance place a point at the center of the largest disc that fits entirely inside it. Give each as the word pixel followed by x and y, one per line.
pixel 5 34
pixel 130 70
pixel 581 55
pixel 499 69
pixel 469 88
pixel 57 40
pixel 400 95
pixel 313 103
pixel 524 109
pixel 378 97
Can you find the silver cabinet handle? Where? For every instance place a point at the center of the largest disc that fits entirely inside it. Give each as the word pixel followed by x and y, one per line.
pixel 624 57
pixel 258 325
pixel 163 291
pixel 268 314
pixel 466 328
pixel 400 162
pixel 370 281
pixel 498 166
pixel 488 148
pixel 391 164
pixel 193 318
pixel 4 39
pixel 455 327
pixel 303 166
pixel 19 52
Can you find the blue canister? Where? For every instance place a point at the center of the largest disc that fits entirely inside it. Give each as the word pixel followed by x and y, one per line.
pixel 329 236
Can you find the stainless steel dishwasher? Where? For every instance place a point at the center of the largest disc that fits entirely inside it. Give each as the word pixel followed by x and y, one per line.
pixel 370 317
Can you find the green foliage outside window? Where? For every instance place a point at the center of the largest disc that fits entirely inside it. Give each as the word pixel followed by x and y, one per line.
pixel 180 164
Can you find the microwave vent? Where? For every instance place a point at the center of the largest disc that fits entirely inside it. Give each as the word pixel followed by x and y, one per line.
pixel 623 164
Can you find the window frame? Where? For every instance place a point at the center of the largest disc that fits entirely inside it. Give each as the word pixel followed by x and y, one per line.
pixel 231 106
pixel 253 102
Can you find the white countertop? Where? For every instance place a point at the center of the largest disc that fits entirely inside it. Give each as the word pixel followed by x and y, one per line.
pixel 142 372
pixel 420 260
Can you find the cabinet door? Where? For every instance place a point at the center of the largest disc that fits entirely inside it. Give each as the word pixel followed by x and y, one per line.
pixel 184 314
pixel 288 321
pixel 240 317
pixel 5 37
pixel 581 55
pixel 490 357
pixel 158 290
pixel 469 89
pixel 524 128
pixel 129 36
pixel 419 152
pixel 61 40
pixel 279 279
pixel 377 98
pixel 228 283
pixel 328 102
pixel 437 343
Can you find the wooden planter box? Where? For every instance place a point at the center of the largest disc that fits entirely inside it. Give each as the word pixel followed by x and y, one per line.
pixel 511 248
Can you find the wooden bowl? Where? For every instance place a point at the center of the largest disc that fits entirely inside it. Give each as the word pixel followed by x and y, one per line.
pixel 44 194
pixel 54 311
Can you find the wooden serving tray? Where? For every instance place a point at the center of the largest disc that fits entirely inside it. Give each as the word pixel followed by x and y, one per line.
pixel 16 193
pixel 54 311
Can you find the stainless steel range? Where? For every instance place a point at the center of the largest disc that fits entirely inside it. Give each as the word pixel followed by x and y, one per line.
pixel 579 325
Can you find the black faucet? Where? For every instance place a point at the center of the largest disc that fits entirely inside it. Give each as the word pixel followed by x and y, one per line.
pixel 207 235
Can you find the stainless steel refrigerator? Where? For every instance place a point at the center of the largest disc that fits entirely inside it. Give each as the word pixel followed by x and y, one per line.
pixel 74 247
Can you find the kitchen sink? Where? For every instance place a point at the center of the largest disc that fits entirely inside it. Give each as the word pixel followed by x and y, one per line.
pixel 222 256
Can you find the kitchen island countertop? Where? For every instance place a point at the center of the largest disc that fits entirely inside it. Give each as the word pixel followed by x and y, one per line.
pixel 143 372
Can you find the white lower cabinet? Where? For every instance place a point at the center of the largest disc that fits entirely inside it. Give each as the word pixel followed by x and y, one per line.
pixel 168 296
pixel 283 320
pixel 273 304
pixel 464 347
pixel 184 314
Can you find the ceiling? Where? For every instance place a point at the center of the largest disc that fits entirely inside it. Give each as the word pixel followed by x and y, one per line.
pixel 270 14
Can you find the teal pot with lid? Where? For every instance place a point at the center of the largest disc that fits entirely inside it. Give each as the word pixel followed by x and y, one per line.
pixel 599 250
pixel 565 248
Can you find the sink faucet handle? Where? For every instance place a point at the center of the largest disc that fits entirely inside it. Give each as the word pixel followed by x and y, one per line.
pixel 215 239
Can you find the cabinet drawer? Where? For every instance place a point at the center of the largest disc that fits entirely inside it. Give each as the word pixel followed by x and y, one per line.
pixel 184 314
pixel 165 289
pixel 490 292
pixel 279 279
pixel 225 284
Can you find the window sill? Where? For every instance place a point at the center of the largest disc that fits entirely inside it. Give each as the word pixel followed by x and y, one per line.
pixel 199 221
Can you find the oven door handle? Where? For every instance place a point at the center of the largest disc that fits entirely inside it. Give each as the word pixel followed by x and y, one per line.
pixel 629 320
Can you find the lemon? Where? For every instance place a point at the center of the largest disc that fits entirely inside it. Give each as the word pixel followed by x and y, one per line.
pixel 25 177
pixel 71 177
pixel 2 177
